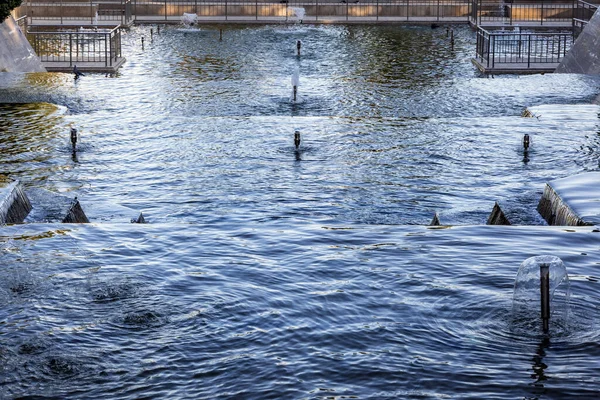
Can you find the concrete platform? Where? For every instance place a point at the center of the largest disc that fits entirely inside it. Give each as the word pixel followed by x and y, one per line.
pixel 514 68
pixel 83 66
pixel 572 201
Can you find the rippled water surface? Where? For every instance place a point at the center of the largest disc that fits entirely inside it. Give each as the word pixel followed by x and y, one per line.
pixel 267 272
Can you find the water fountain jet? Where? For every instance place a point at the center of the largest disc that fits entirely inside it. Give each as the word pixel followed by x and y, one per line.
pixel 295 83
pixel 542 291
pixel 189 19
pixel 298 12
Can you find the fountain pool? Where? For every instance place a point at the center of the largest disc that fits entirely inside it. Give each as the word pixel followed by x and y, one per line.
pixel 271 272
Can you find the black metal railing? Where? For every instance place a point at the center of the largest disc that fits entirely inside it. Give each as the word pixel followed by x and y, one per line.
pixel 312 10
pixel 91 12
pixel 102 46
pixel 584 11
pixel 514 12
pixel 524 49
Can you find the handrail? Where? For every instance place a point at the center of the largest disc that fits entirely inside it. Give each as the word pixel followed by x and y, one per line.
pixel 590 5
pixel 100 31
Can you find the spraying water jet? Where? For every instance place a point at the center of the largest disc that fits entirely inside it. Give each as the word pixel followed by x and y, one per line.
pixel 295 83
pixel 541 293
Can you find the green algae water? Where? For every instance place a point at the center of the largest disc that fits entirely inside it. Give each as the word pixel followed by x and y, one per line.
pixel 267 272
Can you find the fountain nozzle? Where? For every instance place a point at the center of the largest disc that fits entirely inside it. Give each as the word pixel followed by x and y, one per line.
pixel 74 138
pixel 545 295
pixel 526 142
pixel 297 139
pixel 298 46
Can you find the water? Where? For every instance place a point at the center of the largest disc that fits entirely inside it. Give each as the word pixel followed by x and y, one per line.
pixel 271 273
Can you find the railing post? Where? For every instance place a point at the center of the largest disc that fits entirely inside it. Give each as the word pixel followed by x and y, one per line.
pixel 493 41
pixel 529 51
pixel 542 15
pixel 377 11
pixel 317 10
pixel 256 9
pixel 438 10
pixel 346 11
pixel 165 10
pixel 91 12
pixel 407 8
pixel 107 47
pixel 70 49
pixel 61 12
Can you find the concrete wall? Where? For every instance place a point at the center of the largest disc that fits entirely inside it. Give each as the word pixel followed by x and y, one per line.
pixel 16 54
pixel 584 56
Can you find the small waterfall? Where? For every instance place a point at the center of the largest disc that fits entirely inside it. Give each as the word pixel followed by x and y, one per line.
pixel 75 215
pixel 553 207
pixel 14 204
pixel 497 216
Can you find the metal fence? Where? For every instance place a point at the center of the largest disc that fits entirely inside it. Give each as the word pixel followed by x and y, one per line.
pixel 93 12
pixel 312 10
pixel 102 46
pixel 584 11
pixel 511 12
pixel 523 48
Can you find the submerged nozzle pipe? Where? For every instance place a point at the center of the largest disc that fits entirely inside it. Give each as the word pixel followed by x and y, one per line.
pixel 452 39
pixel 526 142
pixel 545 295
pixel 299 46
pixel 220 34
pixel 297 139
pixel 74 138
pixel 151 33
pixel 295 93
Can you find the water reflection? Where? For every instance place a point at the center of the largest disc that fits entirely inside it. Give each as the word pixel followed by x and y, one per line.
pixel 539 367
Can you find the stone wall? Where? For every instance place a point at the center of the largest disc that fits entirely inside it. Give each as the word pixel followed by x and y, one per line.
pixel 16 54
pixel 584 56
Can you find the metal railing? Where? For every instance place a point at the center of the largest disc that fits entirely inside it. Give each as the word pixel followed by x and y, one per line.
pixel 91 12
pixel 22 23
pixel 84 45
pixel 584 11
pixel 311 10
pixel 523 48
pixel 511 12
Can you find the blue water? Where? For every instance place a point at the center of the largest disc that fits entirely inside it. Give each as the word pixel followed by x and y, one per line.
pixel 267 272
